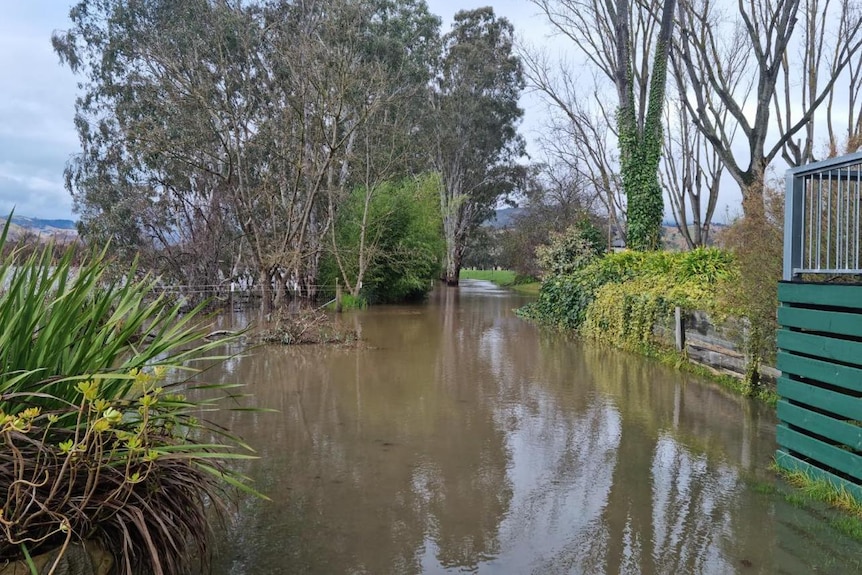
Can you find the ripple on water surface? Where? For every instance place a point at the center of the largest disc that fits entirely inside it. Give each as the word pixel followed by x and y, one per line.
pixel 463 439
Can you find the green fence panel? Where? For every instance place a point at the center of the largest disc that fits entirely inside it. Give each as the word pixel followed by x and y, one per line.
pixel 820 346
pixel 833 457
pixel 849 378
pixel 819 294
pixel 843 432
pixel 837 322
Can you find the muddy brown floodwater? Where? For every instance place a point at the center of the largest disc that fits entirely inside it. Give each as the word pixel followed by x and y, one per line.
pixel 463 439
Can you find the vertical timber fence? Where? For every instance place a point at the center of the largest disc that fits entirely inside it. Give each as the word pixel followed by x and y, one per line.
pixel 820 324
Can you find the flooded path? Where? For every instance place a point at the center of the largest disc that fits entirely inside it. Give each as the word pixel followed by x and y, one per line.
pixel 462 439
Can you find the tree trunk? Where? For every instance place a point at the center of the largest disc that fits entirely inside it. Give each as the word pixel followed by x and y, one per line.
pixel 265 291
pixel 453 264
pixel 280 298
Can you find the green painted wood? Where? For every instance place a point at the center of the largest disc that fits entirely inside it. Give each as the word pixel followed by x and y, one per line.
pixel 842 323
pixel 828 455
pixel 829 427
pixel 838 403
pixel 818 294
pixel 849 378
pixel 820 346
pixel 790 463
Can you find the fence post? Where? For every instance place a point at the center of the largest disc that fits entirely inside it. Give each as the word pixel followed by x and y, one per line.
pixel 793 223
pixel 337 296
pixel 679 325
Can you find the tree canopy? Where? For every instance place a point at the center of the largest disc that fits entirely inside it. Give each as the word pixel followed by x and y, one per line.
pixel 476 115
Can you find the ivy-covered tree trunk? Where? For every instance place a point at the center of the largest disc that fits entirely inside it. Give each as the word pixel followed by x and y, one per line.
pixel 640 146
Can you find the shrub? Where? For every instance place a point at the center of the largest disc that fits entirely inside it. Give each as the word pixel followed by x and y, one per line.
pixel 567 252
pixel 757 241
pixel 95 443
pixel 397 232
pixel 618 298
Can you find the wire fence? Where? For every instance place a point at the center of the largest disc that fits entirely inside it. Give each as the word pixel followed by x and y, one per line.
pixel 241 294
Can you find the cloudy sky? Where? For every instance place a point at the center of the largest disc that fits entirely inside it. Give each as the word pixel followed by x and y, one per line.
pixel 37 99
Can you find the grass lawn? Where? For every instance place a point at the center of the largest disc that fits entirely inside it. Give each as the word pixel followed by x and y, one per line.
pixel 503 278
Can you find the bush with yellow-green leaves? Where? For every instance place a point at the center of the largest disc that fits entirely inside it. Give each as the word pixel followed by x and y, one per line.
pixel 619 298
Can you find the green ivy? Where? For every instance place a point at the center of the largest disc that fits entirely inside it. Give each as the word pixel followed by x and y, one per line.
pixel 640 153
pixel 618 298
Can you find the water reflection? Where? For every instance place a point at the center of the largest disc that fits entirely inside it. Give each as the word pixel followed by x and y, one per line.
pixel 462 439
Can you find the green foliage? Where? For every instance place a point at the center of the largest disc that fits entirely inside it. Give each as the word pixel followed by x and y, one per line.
pixel 351 302
pixel 757 242
pixel 475 124
pixel 214 133
pixel 618 298
pixel 96 443
pixel 641 146
pixel 590 232
pixel 624 313
pixel 813 490
pixel 61 321
pixel 403 243
pixel 569 251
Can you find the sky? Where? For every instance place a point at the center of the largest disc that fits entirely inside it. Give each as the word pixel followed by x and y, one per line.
pixel 37 105
pixel 37 98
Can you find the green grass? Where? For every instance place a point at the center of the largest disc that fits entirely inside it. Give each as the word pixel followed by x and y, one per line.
pixel 821 490
pixel 808 491
pixel 531 288
pixel 504 278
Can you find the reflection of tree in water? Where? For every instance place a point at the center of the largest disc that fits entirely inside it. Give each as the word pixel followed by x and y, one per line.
pixel 373 451
pixel 694 504
pixel 621 492
pixel 465 480
pixel 463 439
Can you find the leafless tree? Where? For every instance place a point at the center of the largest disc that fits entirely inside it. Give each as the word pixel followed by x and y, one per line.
pixel 691 171
pixel 629 44
pixel 579 133
pixel 741 70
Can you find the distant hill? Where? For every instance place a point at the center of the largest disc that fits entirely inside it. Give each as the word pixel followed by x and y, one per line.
pixel 503 218
pixel 60 230
pixel 40 224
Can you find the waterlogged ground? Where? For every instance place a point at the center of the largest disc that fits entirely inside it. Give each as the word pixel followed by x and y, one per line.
pixel 462 439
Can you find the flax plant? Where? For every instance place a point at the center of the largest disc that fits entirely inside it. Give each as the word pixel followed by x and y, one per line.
pixel 95 443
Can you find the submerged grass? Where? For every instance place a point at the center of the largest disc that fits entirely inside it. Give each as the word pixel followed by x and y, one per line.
pixel 737 385
pixel 808 491
pixel 504 278
pixel 820 490
pixel 94 444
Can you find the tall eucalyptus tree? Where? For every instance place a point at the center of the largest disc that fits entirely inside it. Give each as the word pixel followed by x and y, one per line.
pixel 247 116
pixel 474 125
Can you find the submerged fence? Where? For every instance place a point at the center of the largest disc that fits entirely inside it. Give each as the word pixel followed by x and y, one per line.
pixel 820 324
